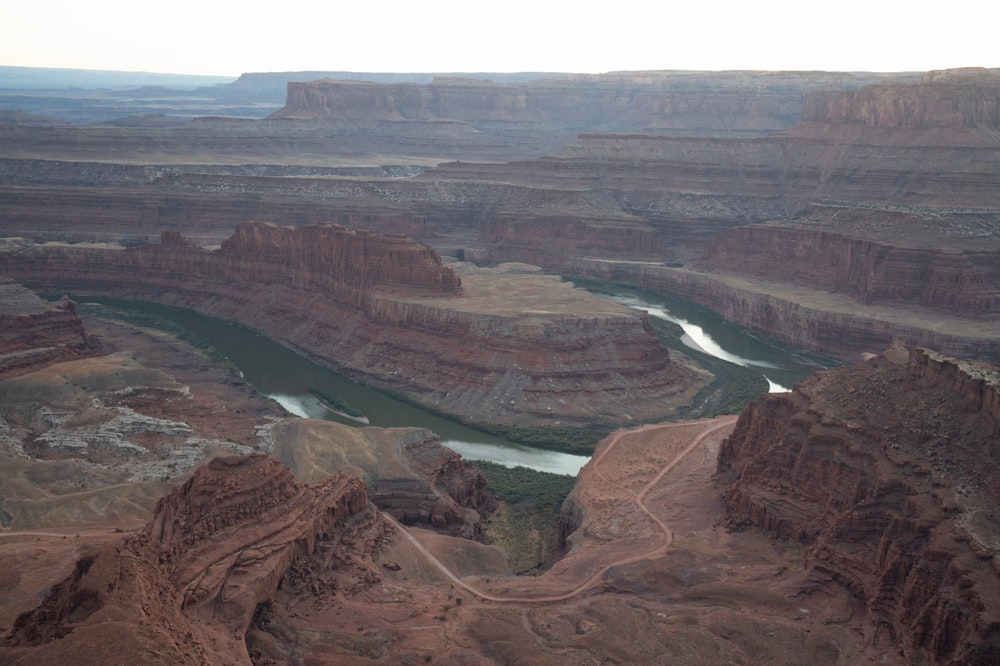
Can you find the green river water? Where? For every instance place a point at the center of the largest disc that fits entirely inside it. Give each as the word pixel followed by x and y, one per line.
pixel 286 377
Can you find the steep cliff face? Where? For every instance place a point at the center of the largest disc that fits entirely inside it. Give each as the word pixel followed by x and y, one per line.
pixel 965 98
pixel 826 323
pixel 886 471
pixel 939 261
pixel 501 347
pixel 715 103
pixel 185 590
pixel 35 333
pixel 348 265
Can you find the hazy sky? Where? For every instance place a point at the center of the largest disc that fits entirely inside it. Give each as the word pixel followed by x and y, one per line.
pixel 228 38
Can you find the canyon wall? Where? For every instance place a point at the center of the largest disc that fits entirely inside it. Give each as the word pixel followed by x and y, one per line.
pixel 661 199
pixel 713 103
pixel 187 587
pixel 874 256
pixel 961 98
pixel 886 472
pixel 504 347
pixel 351 120
pixel 35 333
pixel 827 324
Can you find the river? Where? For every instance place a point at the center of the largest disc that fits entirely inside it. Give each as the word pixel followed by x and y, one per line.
pixel 707 332
pixel 287 377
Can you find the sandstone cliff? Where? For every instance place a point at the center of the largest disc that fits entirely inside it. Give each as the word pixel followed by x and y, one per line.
pixel 934 260
pixel 186 589
pixel 966 98
pixel 886 472
pixel 503 346
pixel 716 103
pixel 661 198
pixel 35 333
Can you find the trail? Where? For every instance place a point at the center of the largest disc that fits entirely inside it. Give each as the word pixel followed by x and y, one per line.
pixel 64 535
pixel 638 499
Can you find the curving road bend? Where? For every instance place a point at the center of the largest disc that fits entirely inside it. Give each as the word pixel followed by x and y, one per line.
pixel 638 499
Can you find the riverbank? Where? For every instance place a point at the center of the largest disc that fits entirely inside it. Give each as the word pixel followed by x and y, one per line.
pixel 276 371
pixel 286 377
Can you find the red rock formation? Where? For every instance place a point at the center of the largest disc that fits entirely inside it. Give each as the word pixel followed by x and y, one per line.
pixel 963 98
pixel 718 103
pixel 186 589
pixel 939 261
pixel 657 198
pixel 35 333
pixel 458 494
pixel 385 309
pixel 886 472
pixel 349 266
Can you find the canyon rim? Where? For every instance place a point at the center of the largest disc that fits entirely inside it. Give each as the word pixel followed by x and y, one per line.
pixel 423 236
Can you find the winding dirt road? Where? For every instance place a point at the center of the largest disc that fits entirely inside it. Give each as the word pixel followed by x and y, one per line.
pixel 711 426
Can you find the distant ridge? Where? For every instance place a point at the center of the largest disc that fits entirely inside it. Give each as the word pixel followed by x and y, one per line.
pixel 42 78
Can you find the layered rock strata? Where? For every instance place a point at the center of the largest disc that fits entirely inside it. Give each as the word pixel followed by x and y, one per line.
pixel 828 324
pixel 509 346
pixel 959 98
pixel 35 333
pixel 950 262
pixel 716 103
pixel 186 589
pixel 928 146
pixel 409 475
pixel 886 472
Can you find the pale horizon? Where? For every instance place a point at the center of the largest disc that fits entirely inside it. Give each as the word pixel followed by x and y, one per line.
pixel 228 39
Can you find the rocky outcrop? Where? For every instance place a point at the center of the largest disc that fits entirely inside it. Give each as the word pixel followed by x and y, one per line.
pixel 185 590
pixel 963 98
pixel 662 197
pixel 714 103
pixel 886 472
pixel 505 346
pixel 450 478
pixel 36 333
pixel 407 471
pixel 346 265
pixel 947 261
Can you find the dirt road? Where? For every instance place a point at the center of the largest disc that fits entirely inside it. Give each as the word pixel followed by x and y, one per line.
pixel 711 426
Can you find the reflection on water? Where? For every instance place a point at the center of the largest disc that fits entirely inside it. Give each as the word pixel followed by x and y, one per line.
pixel 775 387
pixel 286 377
pixel 702 331
pixel 293 404
pixel 509 456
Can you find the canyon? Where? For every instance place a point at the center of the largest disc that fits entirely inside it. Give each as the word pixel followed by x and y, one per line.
pixel 505 345
pixel 649 181
pixel 881 516
pixel 411 233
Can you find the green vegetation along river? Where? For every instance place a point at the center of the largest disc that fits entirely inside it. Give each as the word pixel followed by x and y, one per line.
pixel 309 390
pixel 297 384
